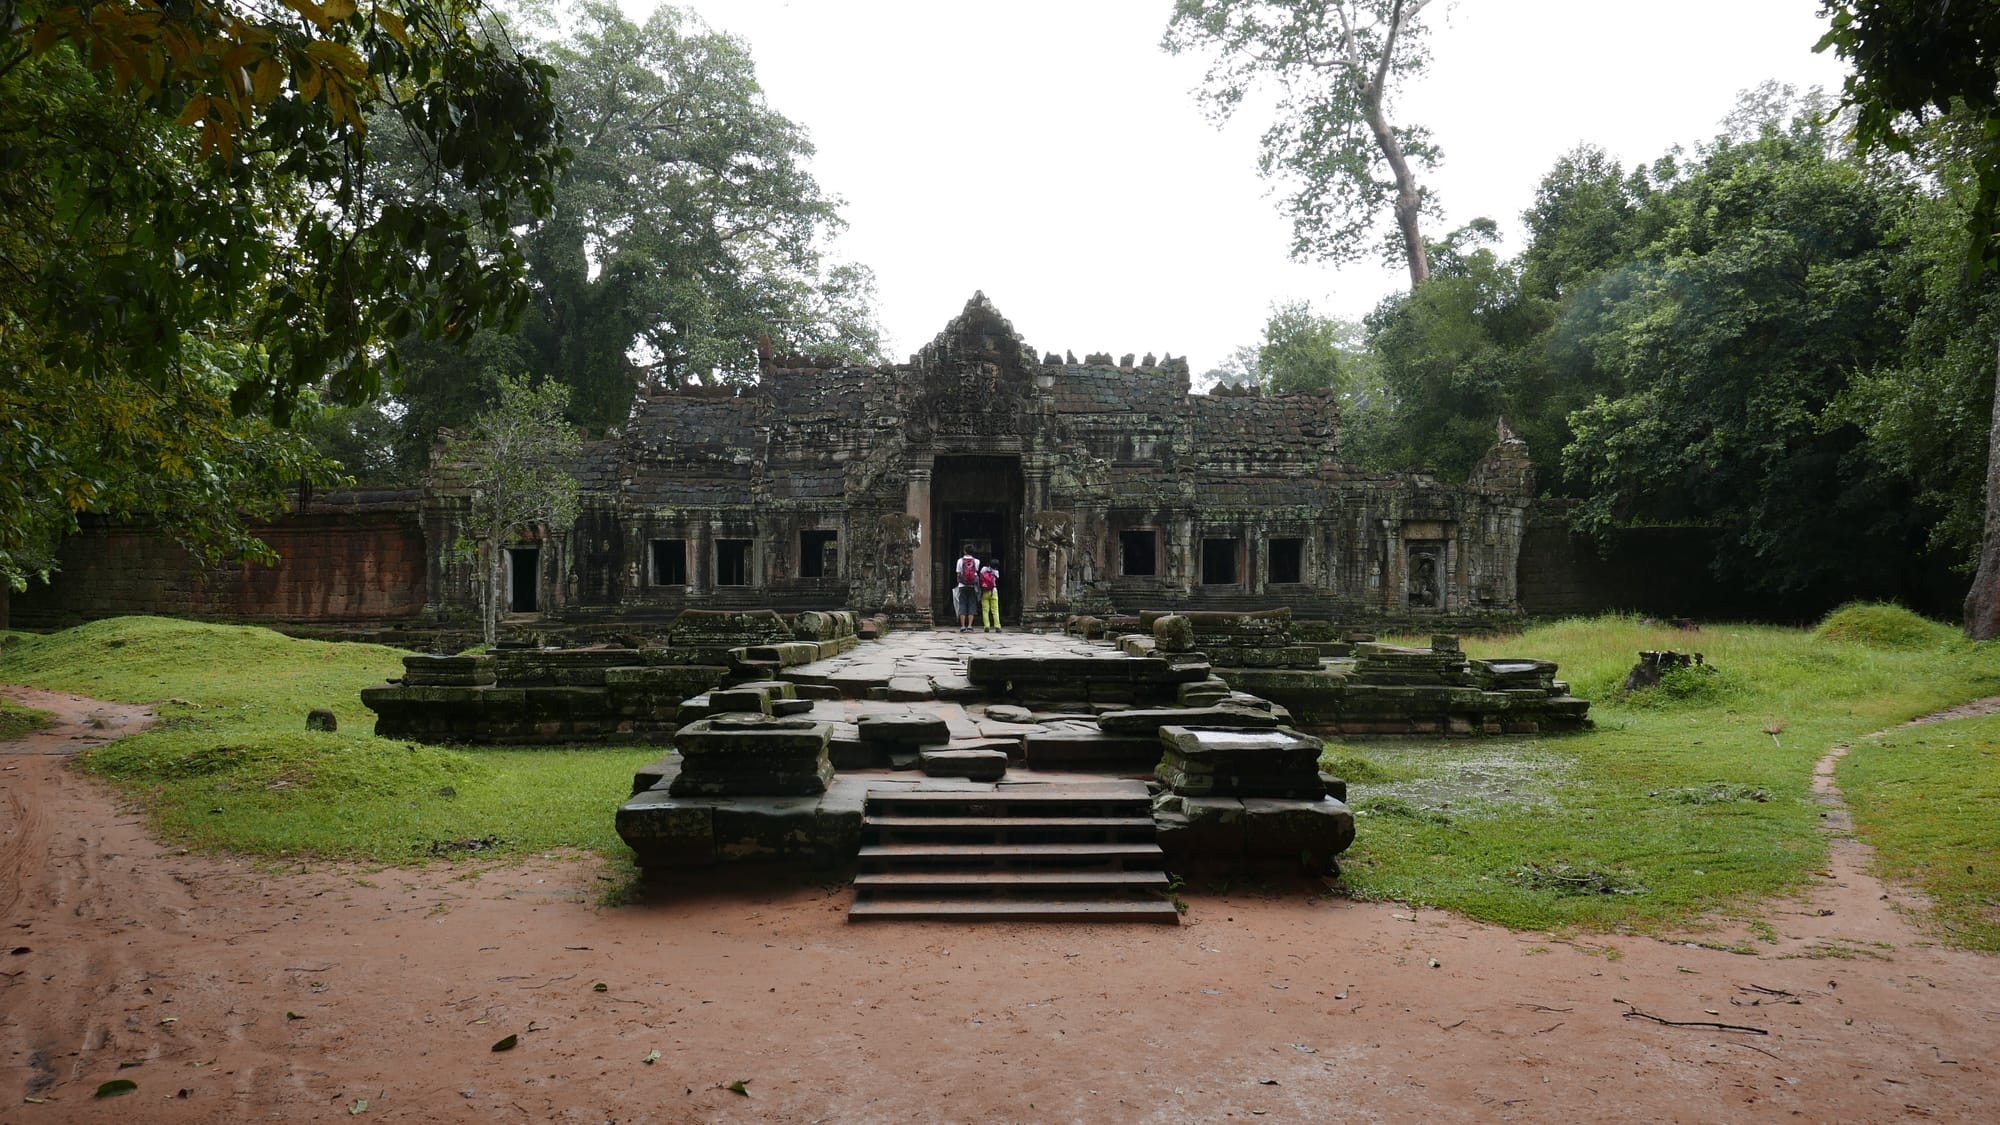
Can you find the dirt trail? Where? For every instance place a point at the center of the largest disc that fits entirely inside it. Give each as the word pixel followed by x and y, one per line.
pixel 296 996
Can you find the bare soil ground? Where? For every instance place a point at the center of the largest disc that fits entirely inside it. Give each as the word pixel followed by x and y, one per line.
pixel 230 992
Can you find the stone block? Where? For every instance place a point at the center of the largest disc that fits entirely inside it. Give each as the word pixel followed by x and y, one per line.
pixel 904 730
pixel 1309 833
pixel 1173 632
pixel 742 733
pixel 708 627
pixel 1148 721
pixel 424 669
pixel 749 828
pixel 908 689
pixel 663 832
pixel 733 701
pixel 762 782
pixel 656 774
pixel 975 765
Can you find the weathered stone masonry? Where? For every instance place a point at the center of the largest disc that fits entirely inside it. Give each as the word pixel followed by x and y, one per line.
pixel 1100 488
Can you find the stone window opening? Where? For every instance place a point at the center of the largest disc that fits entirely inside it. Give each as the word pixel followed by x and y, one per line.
pixel 1139 553
pixel 669 559
pixel 819 554
pixel 732 562
pixel 1286 564
pixel 1219 562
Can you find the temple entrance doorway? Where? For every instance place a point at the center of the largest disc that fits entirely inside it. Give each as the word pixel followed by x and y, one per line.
pixel 976 499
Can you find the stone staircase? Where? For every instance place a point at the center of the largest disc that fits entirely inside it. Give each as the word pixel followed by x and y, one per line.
pixel 1044 852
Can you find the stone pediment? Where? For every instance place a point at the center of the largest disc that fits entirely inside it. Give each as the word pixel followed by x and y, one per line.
pixel 978 337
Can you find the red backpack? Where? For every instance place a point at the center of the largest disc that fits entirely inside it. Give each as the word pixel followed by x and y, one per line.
pixel 989 579
pixel 968 571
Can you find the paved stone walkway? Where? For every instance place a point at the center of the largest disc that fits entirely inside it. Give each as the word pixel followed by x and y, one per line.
pixel 923 671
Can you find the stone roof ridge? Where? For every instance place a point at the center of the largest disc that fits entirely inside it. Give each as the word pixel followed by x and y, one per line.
pixel 977 334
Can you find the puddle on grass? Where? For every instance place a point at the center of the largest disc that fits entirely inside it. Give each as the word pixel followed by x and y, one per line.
pixel 1487 780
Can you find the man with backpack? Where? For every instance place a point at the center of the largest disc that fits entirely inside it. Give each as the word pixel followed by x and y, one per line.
pixel 965 595
pixel 989 598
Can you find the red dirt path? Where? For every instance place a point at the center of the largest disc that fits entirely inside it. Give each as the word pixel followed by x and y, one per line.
pixel 1285 1006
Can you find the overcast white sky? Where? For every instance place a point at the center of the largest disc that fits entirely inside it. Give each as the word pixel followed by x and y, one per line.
pixel 1049 153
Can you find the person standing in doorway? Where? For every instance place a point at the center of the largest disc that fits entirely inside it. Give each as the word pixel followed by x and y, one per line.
pixel 965 596
pixel 989 598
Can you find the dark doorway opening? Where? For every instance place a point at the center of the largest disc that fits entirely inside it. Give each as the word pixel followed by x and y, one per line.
pixel 523 577
pixel 976 500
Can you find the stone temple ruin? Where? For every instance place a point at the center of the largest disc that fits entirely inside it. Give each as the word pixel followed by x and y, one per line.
pixel 1102 488
pixel 1022 776
pixel 1201 578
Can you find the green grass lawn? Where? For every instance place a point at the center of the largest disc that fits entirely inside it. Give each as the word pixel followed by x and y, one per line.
pixel 1686 800
pixel 231 765
pixel 16 720
pixel 1928 799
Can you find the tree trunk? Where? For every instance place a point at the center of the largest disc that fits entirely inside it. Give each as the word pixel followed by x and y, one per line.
pixel 1982 602
pixel 1408 202
pixel 496 591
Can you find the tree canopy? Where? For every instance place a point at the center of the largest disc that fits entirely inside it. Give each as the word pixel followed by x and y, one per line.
pixel 1335 64
pixel 687 228
pixel 187 242
pixel 1926 83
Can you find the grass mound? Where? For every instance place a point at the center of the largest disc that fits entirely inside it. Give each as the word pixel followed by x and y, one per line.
pixel 16 720
pixel 1884 625
pixel 230 765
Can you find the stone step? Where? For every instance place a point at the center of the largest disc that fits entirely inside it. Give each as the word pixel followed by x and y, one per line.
pixel 1073 854
pixel 981 879
pixel 984 824
pixel 1006 802
pixel 1015 910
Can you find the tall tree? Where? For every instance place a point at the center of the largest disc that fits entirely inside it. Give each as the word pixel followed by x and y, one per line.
pixel 687 227
pixel 515 462
pixel 183 232
pixel 1724 343
pixel 1335 64
pixel 1455 355
pixel 1915 61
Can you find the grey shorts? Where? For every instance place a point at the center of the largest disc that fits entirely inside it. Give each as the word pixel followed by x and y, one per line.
pixel 967 600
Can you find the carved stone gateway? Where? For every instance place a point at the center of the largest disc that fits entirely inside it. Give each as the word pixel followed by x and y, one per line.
pixel 1098 489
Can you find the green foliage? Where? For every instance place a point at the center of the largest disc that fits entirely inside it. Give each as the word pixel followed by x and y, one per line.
pixel 1353 768
pixel 1693 686
pixel 1301 351
pixel 1926 799
pixel 1455 356
pixel 1334 63
pixel 516 461
pixel 231 766
pixel 186 238
pixel 1913 61
pixel 1734 331
pixel 324 271
pixel 686 229
pixel 1883 625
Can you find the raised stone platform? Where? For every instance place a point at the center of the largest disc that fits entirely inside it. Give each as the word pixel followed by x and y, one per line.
pixel 1237 787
